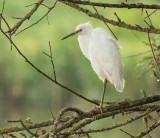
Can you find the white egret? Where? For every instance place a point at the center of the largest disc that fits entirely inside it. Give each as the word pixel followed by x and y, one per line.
pixel 102 50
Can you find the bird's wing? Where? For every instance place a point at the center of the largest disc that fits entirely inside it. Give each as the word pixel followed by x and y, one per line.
pixel 105 51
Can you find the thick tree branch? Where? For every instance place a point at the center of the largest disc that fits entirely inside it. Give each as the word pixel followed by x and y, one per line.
pixel 115 23
pixel 117 125
pixel 122 5
pixel 76 122
pixel 103 21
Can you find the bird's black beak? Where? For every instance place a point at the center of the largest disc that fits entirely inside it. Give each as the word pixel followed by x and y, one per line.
pixel 72 34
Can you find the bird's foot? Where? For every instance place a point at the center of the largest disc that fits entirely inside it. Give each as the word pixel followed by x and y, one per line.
pixel 101 108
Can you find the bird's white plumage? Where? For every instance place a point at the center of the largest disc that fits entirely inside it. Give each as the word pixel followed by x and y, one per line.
pixel 102 50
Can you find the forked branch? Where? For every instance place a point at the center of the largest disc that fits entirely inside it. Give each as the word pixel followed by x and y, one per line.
pixel 64 126
pixel 115 23
pixel 122 5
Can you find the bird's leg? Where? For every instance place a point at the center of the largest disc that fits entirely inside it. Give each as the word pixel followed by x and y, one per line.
pixel 104 89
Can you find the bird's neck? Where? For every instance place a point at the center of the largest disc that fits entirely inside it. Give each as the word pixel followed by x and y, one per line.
pixel 84 44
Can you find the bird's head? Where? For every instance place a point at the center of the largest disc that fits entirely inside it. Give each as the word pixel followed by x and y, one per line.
pixel 82 29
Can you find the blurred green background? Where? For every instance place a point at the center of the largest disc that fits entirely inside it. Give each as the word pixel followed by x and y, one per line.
pixel 26 93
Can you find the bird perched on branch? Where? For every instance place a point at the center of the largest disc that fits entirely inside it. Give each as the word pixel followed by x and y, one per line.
pixel 102 50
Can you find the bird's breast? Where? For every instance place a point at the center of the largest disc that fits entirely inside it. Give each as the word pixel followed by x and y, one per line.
pixel 84 44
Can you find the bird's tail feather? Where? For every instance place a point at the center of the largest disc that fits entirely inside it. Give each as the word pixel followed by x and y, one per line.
pixel 119 85
pixel 118 80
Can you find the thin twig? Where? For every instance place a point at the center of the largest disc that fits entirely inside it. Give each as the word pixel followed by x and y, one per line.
pixel 145 119
pixel 143 133
pixel 137 54
pixel 151 25
pixel 41 72
pixel 115 23
pixel 30 5
pixel 30 126
pixel 27 16
pixel 127 133
pixel 156 76
pixel 152 12
pixel 1 14
pixel 103 20
pixel 46 14
pixel 45 6
pixel 52 114
pixel 3 7
pixel 147 23
pixel 11 136
pixel 17 18
pixel 154 57
pixel 51 59
pixel 54 71
pixel 48 20
pixel 10 36
pixel 119 20
pixel 5 21
pixel 122 5
pixel 145 72
pixel 145 122
pixel 20 121
pixel 139 38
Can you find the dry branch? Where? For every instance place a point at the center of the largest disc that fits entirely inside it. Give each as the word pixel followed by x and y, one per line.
pixel 51 59
pixel 29 126
pixel 155 125
pixel 115 23
pixel 154 57
pixel 103 21
pixel 67 126
pixel 44 74
pixel 26 17
pixel 45 15
pixel 116 125
pixel 122 5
